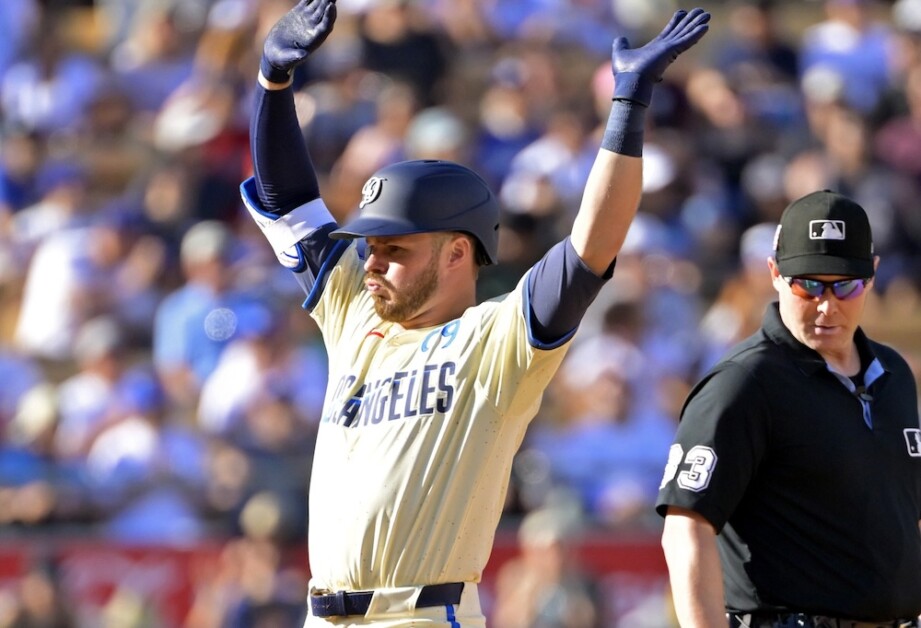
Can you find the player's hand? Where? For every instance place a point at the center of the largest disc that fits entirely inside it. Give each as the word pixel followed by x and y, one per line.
pixel 637 70
pixel 298 33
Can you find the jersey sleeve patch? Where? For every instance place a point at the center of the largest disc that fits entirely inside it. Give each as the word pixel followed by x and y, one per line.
pixel 701 462
pixel 691 472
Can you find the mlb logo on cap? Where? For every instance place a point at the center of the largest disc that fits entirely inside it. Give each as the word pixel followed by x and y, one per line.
pixel 826 229
pixel 824 233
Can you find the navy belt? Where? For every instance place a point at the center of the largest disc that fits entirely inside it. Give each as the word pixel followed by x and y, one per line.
pixel 344 603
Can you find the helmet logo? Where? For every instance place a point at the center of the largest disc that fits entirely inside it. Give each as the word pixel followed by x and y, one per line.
pixel 370 191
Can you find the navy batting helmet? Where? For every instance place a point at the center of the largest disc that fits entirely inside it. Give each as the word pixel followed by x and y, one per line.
pixel 427 195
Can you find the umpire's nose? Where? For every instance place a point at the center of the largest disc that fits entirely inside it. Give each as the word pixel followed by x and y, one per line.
pixel 828 303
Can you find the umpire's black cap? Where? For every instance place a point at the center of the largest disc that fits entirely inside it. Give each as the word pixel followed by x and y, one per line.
pixel 824 233
pixel 426 195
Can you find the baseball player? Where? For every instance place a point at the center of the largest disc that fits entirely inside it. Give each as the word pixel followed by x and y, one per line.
pixel 430 393
pixel 792 494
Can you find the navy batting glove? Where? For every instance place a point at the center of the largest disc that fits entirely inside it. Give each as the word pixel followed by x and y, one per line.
pixel 637 70
pixel 298 33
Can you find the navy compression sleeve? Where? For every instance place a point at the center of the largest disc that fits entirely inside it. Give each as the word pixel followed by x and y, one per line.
pixel 285 177
pixel 561 288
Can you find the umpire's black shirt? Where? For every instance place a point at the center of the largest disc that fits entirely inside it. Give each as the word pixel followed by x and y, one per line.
pixel 817 510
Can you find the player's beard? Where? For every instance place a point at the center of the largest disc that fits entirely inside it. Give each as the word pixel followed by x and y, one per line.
pixel 401 305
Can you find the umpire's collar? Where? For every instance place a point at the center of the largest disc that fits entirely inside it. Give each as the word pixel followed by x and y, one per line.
pixel 809 360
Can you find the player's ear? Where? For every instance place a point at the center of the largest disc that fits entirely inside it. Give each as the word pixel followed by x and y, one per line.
pixel 460 247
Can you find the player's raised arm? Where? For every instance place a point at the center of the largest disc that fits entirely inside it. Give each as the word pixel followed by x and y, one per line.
pixel 284 175
pixel 283 196
pixel 614 185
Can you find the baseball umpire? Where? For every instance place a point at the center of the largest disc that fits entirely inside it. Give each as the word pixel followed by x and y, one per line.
pixel 792 494
pixel 430 393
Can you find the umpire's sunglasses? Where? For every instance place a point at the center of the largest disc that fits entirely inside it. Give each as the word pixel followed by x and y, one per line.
pixel 843 289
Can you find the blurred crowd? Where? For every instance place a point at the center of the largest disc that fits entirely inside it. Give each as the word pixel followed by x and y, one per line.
pixel 159 382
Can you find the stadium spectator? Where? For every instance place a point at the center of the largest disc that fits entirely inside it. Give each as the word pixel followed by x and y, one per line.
pixel 855 46
pixel 547 586
pixel 86 399
pixel 49 89
pixel 606 446
pixel 195 322
pixel 145 468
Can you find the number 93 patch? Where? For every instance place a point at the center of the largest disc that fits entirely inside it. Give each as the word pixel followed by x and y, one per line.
pixel 692 471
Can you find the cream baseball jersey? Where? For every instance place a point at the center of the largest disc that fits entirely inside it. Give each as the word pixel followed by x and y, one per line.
pixel 418 433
